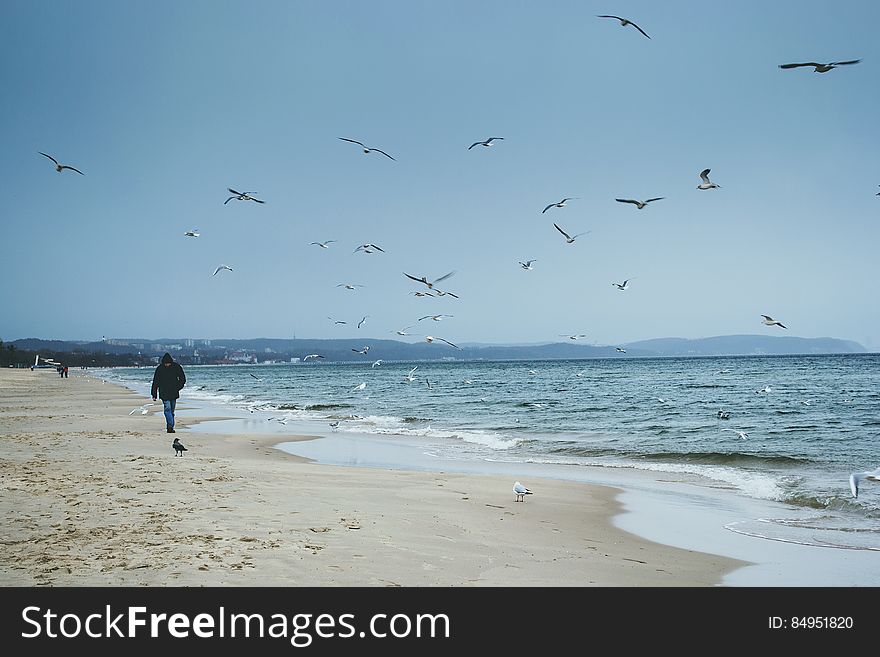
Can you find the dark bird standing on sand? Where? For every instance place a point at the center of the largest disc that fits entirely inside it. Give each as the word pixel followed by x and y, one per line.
pixel 179 449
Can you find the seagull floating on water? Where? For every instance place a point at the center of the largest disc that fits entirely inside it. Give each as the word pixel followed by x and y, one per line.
pixel 821 68
pixel 221 268
pixel 486 143
pixel 192 233
pixel 366 148
pixel 61 167
pixel 723 415
pixel 323 245
pixel 639 204
pixel 430 339
pixel 520 491
pixel 527 265
pixel 742 434
pixel 624 22
pixel 558 204
pixel 769 321
pixel 707 184
pixel 242 196
pixel 430 284
pixel 569 238
pixel 856 477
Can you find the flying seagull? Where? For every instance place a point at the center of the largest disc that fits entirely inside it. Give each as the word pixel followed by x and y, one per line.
pixel 527 265
pixel 856 477
pixel 361 351
pixel 619 350
pixel 337 321
pixel 821 68
pixel 363 321
pixel 430 340
pixel 441 293
pixel 179 449
pixel 486 143
pixel 375 363
pixel 430 284
pixel 409 377
pixel 367 149
pixel 192 233
pixel 143 410
pixel 403 330
pixel 323 245
pixel 520 491
pixel 573 337
pixel 311 356
pixel 221 268
pixel 61 167
pixel 242 196
pixel 569 238
pixel 436 318
pixel 706 184
pixel 622 286
pixel 256 377
pixel 769 321
pixel 558 204
pixel 639 204
pixel 369 248
pixel 359 386
pixel 349 286
pixel 624 22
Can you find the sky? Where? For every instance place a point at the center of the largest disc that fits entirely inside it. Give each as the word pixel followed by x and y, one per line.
pixel 165 105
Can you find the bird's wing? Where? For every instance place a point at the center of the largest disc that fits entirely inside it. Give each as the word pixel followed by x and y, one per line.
pixel 607 16
pixel 65 166
pixel 378 248
pixel 704 174
pixel 423 279
pixel 626 200
pixel 659 198
pixel 854 483
pixel 227 200
pixel 216 270
pixel 256 199
pixel 851 61
pixel 796 65
pixel 353 141
pixel 425 317
pixel 232 191
pixel 562 231
pixel 476 143
pixel 449 343
pixel 547 208
pixel 768 318
pixel 49 156
pixel 383 153
pixel 781 325
pixel 444 277
pixel 494 138
pixel 452 295
pixel 638 28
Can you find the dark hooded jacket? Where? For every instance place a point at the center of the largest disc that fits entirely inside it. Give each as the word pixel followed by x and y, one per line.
pixel 168 381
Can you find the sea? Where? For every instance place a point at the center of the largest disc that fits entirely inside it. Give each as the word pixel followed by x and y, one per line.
pixel 787 429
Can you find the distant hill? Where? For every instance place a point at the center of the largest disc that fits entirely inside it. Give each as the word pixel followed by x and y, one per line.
pixel 338 350
pixel 744 345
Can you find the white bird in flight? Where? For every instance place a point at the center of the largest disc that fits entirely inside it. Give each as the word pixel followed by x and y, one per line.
pixel 363 321
pixel 192 233
pixel 624 22
pixel 361 351
pixel 241 196
pixel 221 268
pixel 349 286
pixel 430 284
pixel 576 336
pixel 486 143
pixel 359 386
pixel 622 286
pixel 769 321
pixel 143 410
pixel 436 318
pixel 821 68
pixel 558 204
pixel 376 363
pixel 311 356
pixel 430 340
pixel 706 184
pixel 569 238
pixel 527 265
pixel 337 321
pixel 620 350
pixel 639 204
pixel 409 377
pixel 520 491
pixel 742 434
pixel 61 167
pixel 323 245
pixel 366 148
pixel 403 330
pixel 369 248
pixel 856 477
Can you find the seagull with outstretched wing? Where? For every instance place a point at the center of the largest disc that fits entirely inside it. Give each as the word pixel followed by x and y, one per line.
pixel 821 68
pixel 61 167
pixel 366 148
pixel 624 22
pixel 486 143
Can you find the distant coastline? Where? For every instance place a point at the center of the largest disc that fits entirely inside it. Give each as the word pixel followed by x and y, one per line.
pixel 140 351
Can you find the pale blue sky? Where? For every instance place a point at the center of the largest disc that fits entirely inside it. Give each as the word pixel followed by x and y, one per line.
pixel 163 105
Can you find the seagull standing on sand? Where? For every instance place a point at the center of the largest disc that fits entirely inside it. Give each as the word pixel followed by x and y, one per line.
pixel 520 491
pixel 179 449
pixel 856 477
pixel 61 167
pixel 769 321
pixel 486 143
pixel 639 204
pixel 558 204
pixel 221 268
pixel 707 184
pixel 242 196
pixel 569 238
pixel 821 68
pixel 624 22
pixel 367 149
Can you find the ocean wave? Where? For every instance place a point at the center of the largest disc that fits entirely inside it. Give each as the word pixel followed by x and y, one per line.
pixel 740 459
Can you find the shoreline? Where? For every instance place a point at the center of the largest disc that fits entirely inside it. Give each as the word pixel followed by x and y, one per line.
pixel 95 497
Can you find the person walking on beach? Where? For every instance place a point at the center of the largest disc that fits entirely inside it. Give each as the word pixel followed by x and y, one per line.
pixel 168 380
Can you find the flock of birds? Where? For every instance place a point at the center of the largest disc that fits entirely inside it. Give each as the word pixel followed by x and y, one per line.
pixel 430 285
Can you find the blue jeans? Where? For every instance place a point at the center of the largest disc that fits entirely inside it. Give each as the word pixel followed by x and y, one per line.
pixel 168 405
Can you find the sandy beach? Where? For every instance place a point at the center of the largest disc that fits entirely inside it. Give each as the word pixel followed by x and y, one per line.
pixel 93 496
